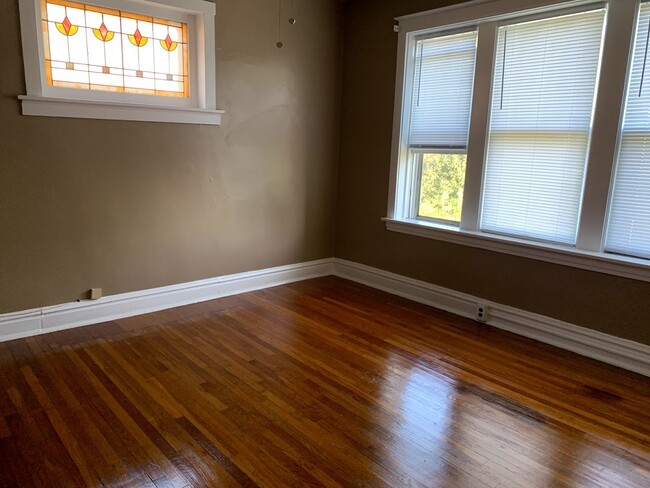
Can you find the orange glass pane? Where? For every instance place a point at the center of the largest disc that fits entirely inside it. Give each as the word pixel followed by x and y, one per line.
pixel 96 48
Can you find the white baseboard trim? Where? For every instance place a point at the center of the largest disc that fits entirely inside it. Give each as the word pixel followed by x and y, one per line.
pixel 49 319
pixel 597 345
pixel 603 347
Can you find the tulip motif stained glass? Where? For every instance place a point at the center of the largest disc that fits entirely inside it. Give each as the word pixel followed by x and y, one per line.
pixel 66 28
pixel 103 34
pixel 97 48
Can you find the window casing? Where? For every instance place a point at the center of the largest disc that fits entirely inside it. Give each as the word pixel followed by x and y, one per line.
pixel 580 241
pixel 111 59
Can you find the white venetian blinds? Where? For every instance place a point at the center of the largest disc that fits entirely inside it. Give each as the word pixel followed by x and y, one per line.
pixel 442 91
pixel 629 219
pixel 543 95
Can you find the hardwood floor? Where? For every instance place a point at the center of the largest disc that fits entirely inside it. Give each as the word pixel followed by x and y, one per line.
pixel 319 383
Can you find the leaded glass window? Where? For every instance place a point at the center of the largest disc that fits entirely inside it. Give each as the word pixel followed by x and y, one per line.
pixel 97 48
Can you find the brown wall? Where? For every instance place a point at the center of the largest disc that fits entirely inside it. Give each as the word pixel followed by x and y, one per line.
pixel 606 303
pixel 130 205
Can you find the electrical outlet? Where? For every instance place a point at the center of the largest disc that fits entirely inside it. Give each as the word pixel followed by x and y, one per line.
pixel 95 293
pixel 482 312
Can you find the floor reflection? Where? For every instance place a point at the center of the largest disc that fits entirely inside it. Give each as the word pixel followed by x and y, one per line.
pixel 449 433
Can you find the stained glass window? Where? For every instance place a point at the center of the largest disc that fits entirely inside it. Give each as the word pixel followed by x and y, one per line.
pixel 96 48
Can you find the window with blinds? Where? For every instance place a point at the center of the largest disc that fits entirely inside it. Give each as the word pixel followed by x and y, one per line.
pixel 542 104
pixel 628 229
pixel 442 91
pixel 441 102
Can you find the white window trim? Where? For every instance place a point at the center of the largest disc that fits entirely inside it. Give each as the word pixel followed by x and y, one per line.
pixel 201 108
pixel 486 15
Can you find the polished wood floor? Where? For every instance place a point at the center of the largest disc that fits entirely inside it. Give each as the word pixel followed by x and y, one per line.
pixel 319 383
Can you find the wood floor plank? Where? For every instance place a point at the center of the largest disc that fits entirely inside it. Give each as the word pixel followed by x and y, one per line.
pixel 319 383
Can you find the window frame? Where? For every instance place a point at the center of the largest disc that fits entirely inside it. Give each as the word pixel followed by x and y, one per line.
pixel 42 99
pixel 588 132
pixel 621 134
pixel 487 16
pixel 415 153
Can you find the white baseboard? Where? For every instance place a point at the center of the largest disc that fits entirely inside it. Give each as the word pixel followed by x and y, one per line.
pixel 603 347
pixel 597 345
pixel 70 315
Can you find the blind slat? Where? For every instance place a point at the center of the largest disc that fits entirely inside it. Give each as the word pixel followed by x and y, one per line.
pixel 442 90
pixel 542 103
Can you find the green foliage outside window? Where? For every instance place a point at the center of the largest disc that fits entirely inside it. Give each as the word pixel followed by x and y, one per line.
pixel 443 180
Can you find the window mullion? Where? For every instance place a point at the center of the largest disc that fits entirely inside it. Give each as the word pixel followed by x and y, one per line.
pixel 619 35
pixel 478 125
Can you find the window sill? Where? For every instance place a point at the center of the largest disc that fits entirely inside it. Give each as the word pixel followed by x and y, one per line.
pixel 627 267
pixel 90 109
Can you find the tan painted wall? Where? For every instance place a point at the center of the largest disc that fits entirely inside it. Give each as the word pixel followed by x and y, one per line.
pixel 606 303
pixel 128 206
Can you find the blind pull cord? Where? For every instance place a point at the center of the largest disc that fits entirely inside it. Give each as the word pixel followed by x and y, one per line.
pixel 645 59
pixel 420 57
pixel 503 66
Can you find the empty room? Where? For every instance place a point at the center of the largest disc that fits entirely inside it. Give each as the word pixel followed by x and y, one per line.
pixel 325 243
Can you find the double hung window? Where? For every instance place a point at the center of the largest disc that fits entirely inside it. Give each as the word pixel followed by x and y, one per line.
pixel 439 126
pixel 495 122
pixel 542 103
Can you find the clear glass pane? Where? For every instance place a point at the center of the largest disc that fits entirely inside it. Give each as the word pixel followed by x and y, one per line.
pixel 113 52
pixel 176 64
pixel 130 54
pixel 160 31
pixel 112 22
pixel 70 75
pixel 58 44
pixel 78 47
pixel 55 13
pixel 76 16
pixel 146 28
pixel 96 49
pixel 161 59
pixel 441 190
pixel 145 54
